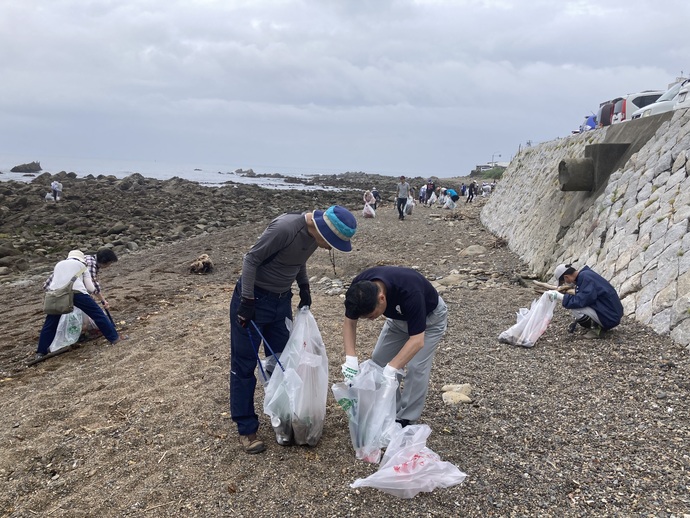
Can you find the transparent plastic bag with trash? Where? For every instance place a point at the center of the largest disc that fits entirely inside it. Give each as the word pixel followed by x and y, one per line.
pixel 295 397
pixel 368 211
pixel 409 467
pixel 531 323
pixel 68 329
pixel 369 401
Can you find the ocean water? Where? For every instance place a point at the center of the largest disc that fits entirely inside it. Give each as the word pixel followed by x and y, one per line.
pixel 205 174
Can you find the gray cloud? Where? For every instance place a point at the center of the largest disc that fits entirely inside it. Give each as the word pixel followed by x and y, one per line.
pixel 420 87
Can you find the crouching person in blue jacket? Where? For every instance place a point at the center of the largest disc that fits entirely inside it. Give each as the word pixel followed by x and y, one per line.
pixel 595 305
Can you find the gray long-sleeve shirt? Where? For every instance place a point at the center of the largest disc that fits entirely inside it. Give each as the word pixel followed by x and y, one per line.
pixel 279 257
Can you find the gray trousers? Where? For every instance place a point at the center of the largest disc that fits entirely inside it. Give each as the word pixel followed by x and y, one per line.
pixel 394 335
pixel 587 311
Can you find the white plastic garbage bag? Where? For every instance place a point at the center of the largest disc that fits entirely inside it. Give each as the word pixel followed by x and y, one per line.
pixel 295 399
pixel 409 206
pixel 531 323
pixel 409 467
pixel 368 211
pixel 369 400
pixel 68 330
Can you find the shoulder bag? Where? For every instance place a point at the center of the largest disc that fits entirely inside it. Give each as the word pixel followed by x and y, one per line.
pixel 61 300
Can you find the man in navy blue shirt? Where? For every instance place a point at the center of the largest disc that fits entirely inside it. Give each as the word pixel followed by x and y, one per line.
pixel 595 305
pixel 416 320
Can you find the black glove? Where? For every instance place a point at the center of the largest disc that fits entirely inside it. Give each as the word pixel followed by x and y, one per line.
pixel 246 312
pixel 304 296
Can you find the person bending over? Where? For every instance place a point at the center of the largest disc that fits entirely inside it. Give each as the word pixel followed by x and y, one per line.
pixel 262 297
pixel 75 264
pixel 416 321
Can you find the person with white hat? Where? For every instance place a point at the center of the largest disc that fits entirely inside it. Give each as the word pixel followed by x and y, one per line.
pixel 104 258
pixel 595 304
pixel 262 300
pixel 83 285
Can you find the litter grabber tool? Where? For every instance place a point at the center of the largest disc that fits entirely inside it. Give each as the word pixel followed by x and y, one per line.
pixel 49 355
pixel 108 314
pixel 255 347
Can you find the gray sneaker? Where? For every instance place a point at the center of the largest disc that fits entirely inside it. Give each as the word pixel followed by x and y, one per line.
pixel 594 333
pixel 39 356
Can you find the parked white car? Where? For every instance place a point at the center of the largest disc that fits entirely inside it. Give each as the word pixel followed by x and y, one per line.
pixel 683 99
pixel 664 103
pixel 624 108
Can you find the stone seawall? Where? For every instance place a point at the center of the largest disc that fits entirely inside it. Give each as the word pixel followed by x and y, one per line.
pixel 633 230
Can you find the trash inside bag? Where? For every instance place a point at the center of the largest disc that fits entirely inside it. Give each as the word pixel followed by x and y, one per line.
pixel 368 211
pixel 369 400
pixel 531 323
pixel 409 467
pixel 295 399
pixel 68 329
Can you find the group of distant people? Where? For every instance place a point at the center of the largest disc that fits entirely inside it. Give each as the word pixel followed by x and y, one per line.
pixel 406 196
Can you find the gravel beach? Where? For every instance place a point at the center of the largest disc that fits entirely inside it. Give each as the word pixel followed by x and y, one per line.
pixel 570 427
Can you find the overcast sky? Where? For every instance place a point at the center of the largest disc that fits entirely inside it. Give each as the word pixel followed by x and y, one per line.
pixel 425 87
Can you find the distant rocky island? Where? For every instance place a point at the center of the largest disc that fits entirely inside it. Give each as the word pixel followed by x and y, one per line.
pixel 32 167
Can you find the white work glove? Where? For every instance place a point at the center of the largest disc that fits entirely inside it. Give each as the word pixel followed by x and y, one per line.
pixel 554 295
pixel 351 367
pixel 390 372
pixel 390 381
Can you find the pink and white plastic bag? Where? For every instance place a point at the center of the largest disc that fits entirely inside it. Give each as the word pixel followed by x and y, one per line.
pixel 409 467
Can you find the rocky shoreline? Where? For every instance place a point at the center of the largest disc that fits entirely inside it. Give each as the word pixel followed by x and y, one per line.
pixel 129 214
pixel 133 213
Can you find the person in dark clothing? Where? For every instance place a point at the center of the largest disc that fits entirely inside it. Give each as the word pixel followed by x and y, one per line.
pixel 262 298
pixel 376 195
pixel 416 322
pixel 430 189
pixel 471 190
pixel 402 193
pixel 595 304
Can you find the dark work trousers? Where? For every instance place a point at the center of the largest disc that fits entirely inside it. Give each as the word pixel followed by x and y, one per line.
pixel 401 207
pixel 88 306
pixel 470 196
pixel 271 311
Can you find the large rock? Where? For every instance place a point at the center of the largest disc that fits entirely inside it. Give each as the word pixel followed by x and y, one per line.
pixel 6 250
pixel 31 167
